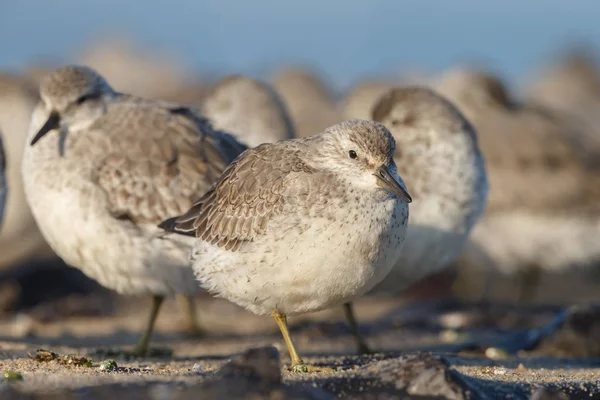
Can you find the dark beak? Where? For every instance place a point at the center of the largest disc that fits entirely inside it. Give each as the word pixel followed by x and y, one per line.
pixel 53 122
pixel 387 181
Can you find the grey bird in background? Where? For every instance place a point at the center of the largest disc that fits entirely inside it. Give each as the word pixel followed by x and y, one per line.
pixel 361 99
pixel 528 227
pixel 308 99
pixel 248 109
pixel 437 154
pixel 102 169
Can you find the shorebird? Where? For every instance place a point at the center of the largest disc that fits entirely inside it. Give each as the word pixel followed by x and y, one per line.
pixel 20 238
pixel 438 156
pixel 310 103
pixel 361 99
pixel 249 110
pixel 570 88
pixel 301 225
pixel 102 169
pixel 528 226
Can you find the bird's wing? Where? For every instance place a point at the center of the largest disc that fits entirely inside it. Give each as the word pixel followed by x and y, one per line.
pixel 252 190
pixel 158 159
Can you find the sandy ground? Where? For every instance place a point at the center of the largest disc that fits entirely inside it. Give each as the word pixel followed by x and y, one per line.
pixel 434 349
pixel 424 348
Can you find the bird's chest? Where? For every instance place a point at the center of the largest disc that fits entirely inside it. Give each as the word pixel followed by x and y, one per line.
pixel 62 197
pixel 366 232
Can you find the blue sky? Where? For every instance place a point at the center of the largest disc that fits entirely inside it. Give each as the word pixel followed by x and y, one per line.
pixel 345 39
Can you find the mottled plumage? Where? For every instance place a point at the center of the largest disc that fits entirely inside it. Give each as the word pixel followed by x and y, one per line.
pixel 105 168
pixel 301 225
pixel 248 109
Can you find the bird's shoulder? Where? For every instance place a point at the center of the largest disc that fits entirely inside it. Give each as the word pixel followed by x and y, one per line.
pixel 154 159
pixel 253 190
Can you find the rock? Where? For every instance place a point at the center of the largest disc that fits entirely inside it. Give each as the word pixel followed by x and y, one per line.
pixel 256 373
pixel 544 393
pixel 108 365
pixel 258 364
pixel 11 376
pixel 421 374
pixel 574 333
pixel 197 367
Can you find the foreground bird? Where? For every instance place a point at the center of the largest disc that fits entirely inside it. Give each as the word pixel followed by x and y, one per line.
pixel 438 156
pixel 249 110
pixel 104 168
pixel 301 225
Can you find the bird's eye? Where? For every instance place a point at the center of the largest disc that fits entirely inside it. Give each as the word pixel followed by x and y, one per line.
pixel 86 97
pixel 352 154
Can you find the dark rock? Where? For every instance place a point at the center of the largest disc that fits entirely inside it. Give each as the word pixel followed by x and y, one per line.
pixel 259 364
pixel 421 374
pixel 256 373
pixel 574 333
pixel 547 394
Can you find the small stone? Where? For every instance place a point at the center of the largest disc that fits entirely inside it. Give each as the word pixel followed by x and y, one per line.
pixel 108 365
pixel 494 353
pixel 499 371
pixel 543 393
pixel 449 336
pixel 197 367
pixel 42 355
pixel 261 364
pixel 11 376
pixel 23 325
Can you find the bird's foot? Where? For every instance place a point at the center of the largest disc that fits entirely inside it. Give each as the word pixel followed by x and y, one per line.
pixel 305 368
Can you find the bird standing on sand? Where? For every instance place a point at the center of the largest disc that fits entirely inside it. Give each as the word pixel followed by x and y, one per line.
pixel 103 168
pixel 301 225
pixel 438 156
pixel 249 110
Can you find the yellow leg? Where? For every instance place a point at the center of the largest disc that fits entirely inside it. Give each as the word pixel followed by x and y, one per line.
pixel 142 347
pixel 360 343
pixel 297 364
pixel 188 306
